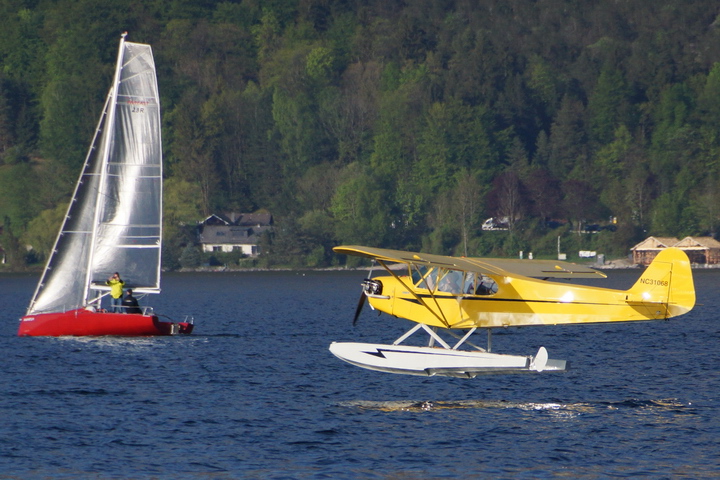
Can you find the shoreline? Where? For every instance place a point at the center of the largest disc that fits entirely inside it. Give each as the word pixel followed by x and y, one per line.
pixel 618 264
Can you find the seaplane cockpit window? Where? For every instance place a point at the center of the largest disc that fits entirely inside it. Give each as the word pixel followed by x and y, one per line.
pixel 469 283
pixel 425 277
pixel 485 285
pixel 451 282
pixel 416 274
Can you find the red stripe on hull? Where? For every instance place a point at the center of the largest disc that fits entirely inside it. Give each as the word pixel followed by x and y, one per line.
pixel 83 322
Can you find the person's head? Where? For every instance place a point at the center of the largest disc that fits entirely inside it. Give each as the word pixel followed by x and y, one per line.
pixel 116 275
pixel 129 292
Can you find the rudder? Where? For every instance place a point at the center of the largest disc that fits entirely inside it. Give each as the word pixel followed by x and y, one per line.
pixel 667 280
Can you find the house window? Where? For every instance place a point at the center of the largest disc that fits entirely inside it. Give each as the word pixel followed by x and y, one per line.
pixel 217 249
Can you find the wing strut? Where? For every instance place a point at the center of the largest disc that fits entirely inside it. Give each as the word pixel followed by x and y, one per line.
pixel 440 317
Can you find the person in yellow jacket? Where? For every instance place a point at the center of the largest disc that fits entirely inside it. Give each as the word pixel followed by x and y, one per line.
pixel 116 292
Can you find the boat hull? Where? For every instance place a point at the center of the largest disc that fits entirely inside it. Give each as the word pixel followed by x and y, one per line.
pixel 427 361
pixel 83 322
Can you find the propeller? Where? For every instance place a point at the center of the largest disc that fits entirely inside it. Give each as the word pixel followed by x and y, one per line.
pixel 369 287
pixel 360 305
pixel 363 297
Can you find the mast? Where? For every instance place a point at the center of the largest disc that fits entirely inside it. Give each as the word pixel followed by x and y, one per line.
pixel 109 128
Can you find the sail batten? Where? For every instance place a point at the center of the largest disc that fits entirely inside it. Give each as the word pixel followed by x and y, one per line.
pixel 113 222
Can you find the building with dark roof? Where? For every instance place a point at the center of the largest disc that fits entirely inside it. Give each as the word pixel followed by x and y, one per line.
pixel 234 232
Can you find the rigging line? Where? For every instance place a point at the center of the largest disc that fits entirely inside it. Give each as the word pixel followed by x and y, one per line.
pixel 130 77
pixel 139 54
pixel 135 57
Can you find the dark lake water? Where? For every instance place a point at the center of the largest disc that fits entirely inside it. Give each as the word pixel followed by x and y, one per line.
pixel 255 393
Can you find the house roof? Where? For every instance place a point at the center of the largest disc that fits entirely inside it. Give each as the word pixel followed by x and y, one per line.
pixel 655 243
pixel 215 220
pixel 687 243
pixel 698 243
pixel 240 219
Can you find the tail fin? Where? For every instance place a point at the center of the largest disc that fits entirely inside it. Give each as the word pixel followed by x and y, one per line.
pixel 666 282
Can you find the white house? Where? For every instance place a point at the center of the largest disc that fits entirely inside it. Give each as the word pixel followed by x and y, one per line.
pixel 234 232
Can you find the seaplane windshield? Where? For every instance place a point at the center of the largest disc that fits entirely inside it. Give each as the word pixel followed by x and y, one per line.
pixel 425 277
pixel 453 281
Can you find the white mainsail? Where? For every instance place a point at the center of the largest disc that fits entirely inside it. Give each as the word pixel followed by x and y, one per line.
pixel 114 222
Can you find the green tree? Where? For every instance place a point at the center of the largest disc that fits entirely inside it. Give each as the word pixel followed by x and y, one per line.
pixel 349 112
pixel 191 257
pixel 72 98
pixel 297 131
pixel 608 106
pixel 666 215
pixel 190 157
pixel 454 137
pixel 42 230
pixel 267 35
pixel 543 82
pixel 16 203
pixel 360 210
pixel 568 141
pixel 611 159
pixel 672 138
pixel 14 253
pixel 390 153
pixel 468 201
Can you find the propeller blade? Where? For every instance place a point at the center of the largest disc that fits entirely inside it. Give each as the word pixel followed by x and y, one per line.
pixel 359 308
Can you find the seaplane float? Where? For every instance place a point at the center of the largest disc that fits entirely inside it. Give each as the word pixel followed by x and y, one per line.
pixel 459 296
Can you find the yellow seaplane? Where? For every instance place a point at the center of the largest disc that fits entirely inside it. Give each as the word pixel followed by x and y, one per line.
pixel 458 296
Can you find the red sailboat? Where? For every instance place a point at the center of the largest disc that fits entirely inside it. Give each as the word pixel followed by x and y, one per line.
pixel 114 221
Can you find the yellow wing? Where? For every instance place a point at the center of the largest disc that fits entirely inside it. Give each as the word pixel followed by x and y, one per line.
pixel 486 266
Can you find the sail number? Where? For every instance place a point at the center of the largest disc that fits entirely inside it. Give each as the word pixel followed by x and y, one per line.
pixel 137 106
pixel 652 281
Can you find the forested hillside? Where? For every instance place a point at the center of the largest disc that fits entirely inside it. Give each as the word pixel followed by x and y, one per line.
pixel 386 123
